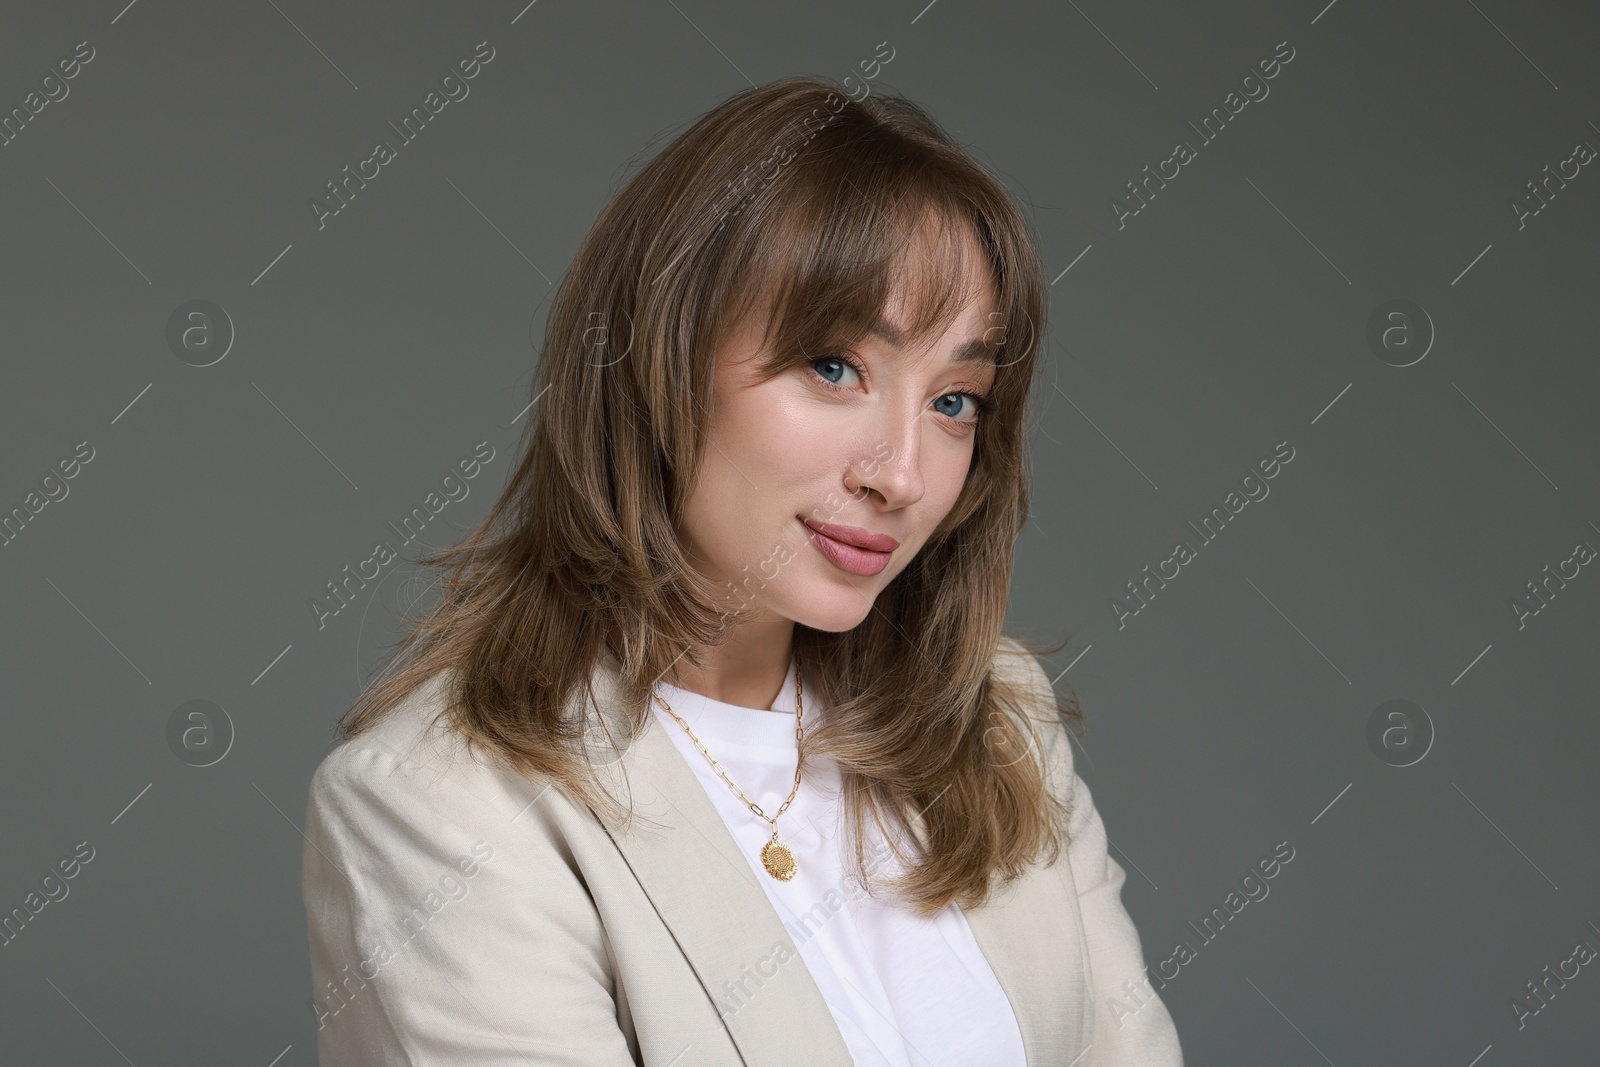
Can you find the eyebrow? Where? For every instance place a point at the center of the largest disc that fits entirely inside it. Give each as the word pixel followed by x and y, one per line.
pixel 976 350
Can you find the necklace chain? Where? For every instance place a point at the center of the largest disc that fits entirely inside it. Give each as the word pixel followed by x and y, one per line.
pixel 777 858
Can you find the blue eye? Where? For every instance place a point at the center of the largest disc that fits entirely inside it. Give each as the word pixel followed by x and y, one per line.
pixel 841 362
pixel 957 397
pixel 981 404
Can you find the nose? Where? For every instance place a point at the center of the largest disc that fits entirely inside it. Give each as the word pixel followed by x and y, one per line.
pixel 891 465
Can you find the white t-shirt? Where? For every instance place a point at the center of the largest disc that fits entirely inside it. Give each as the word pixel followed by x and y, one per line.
pixel 905 991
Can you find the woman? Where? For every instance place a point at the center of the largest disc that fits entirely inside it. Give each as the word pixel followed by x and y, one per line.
pixel 712 752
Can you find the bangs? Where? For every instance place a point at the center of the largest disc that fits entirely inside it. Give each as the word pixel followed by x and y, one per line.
pixel 823 268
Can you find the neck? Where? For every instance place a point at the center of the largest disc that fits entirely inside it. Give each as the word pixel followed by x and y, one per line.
pixel 746 669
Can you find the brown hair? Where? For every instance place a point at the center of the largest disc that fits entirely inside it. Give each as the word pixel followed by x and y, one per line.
pixel 819 198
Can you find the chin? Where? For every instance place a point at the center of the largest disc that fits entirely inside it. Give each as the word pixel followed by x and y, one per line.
pixel 833 614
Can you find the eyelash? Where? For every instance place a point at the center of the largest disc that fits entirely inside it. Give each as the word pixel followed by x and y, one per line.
pixel 986 407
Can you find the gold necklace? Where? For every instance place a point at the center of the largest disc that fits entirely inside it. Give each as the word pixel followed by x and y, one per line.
pixel 775 856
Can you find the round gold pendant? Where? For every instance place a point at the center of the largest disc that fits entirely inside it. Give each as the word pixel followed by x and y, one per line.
pixel 778 860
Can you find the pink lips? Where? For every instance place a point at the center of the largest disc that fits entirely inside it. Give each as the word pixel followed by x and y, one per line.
pixel 850 548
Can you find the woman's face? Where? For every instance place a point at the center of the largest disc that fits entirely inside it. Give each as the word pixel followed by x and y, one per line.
pixel 875 455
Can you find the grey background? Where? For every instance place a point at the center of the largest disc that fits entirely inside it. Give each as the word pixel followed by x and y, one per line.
pixel 1230 314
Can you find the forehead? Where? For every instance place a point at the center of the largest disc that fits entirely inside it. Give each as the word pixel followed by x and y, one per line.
pixel 937 292
pixel 967 331
pixel 971 346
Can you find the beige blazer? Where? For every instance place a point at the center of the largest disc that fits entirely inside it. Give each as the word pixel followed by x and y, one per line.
pixel 462 914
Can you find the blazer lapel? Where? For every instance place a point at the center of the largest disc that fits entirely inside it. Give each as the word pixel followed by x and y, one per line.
pixel 688 864
pixel 690 867
pixel 1031 935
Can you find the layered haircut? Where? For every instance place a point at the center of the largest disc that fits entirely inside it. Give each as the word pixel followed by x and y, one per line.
pixel 792 201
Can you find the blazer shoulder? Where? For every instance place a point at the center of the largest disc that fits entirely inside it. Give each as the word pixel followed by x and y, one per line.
pixel 410 786
pixel 1021 668
pixel 414 735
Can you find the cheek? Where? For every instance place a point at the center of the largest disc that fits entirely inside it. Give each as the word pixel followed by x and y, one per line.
pixel 763 453
pixel 777 442
pixel 947 470
pixel 712 518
